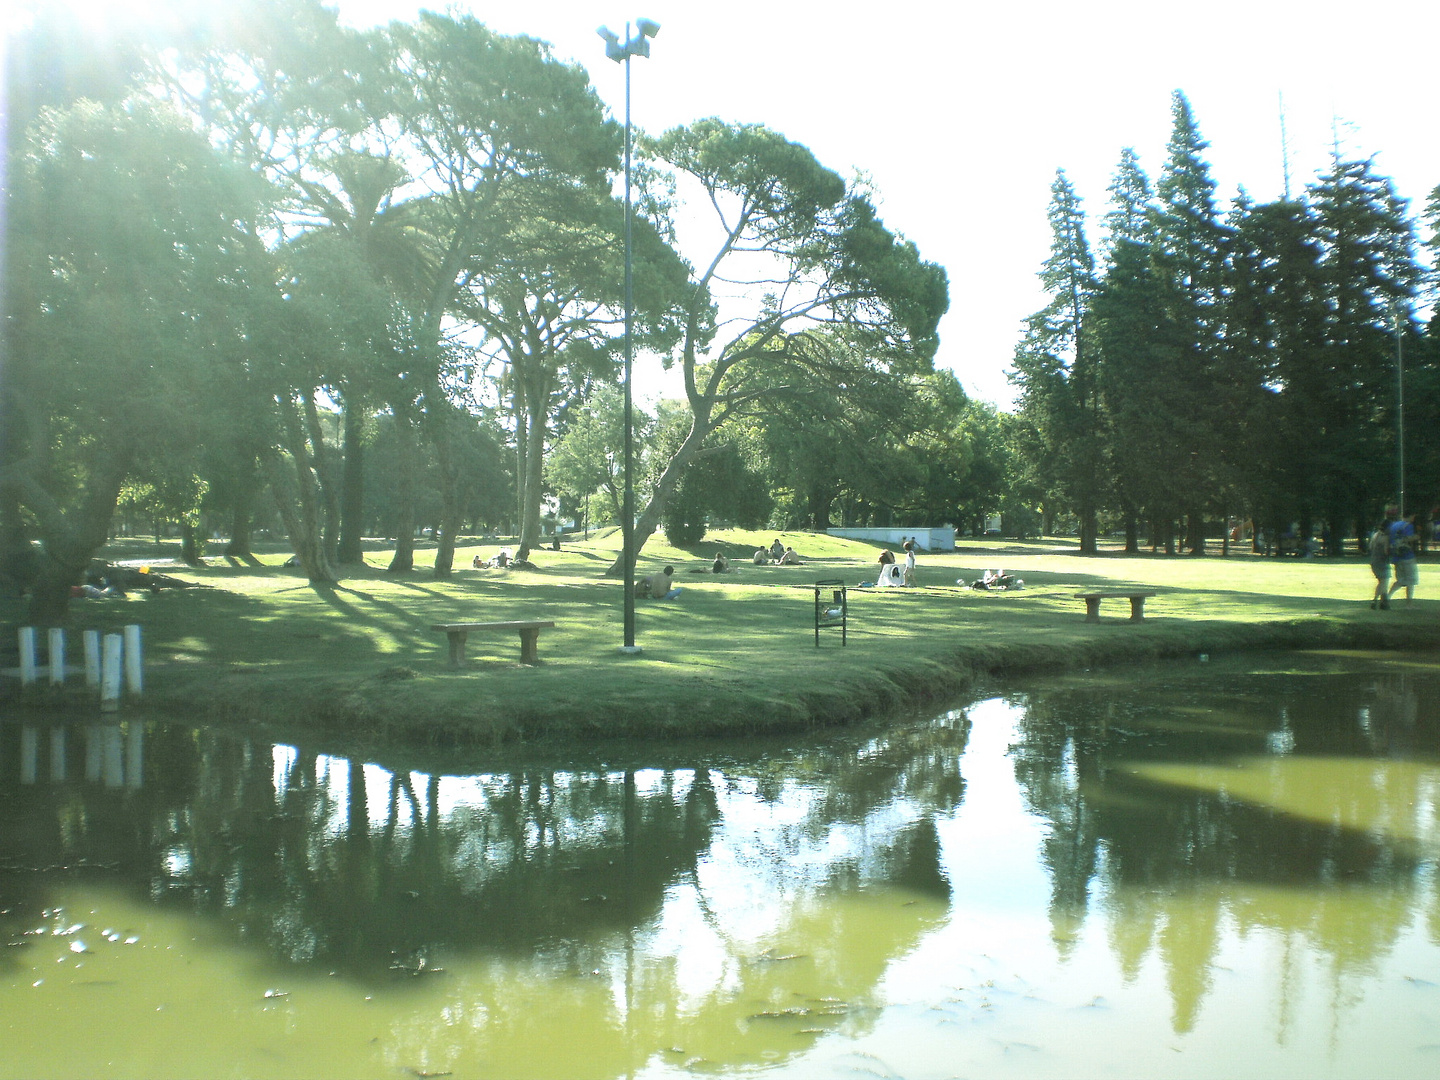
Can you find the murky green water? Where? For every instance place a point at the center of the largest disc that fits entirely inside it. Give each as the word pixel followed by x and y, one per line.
pixel 1189 870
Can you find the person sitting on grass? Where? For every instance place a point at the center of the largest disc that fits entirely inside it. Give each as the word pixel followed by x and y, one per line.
pixel 761 557
pixel 789 558
pixel 658 586
pixel 777 550
pixel 721 564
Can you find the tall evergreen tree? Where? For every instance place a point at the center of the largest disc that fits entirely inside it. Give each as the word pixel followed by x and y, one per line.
pixel 1126 324
pixel 1055 364
pixel 1188 257
pixel 1369 277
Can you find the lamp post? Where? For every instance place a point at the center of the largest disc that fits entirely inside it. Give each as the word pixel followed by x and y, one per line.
pixel 1399 406
pixel 621 52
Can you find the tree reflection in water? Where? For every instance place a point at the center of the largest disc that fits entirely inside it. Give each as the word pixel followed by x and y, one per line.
pixel 1195 804
pixel 1151 829
pixel 723 875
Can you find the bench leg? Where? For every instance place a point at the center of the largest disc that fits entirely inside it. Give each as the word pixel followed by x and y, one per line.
pixel 1137 609
pixel 457 647
pixel 1092 609
pixel 529 638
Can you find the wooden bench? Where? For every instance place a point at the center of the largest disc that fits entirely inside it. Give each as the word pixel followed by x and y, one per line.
pixel 457 632
pixel 1137 603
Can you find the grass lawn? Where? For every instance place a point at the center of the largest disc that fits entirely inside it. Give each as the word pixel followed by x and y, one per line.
pixel 732 653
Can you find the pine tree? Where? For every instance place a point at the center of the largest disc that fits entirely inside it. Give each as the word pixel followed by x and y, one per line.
pixel 1056 368
pixel 1369 276
pixel 1188 257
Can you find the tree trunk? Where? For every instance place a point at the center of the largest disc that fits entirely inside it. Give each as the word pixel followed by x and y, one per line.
pixel 322 457
pixel 242 513
pixel 1088 539
pixel 700 428
pixel 350 551
pixel 190 543
pixel 449 523
pixel 1195 532
pixel 71 538
pixel 522 448
pixel 300 500
pixel 19 564
pixel 406 455
pixel 532 482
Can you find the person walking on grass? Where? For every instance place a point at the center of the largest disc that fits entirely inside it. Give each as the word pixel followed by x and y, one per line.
pixel 1402 557
pixel 1380 565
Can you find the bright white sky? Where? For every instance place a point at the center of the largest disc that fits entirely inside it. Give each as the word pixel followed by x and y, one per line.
pixel 961 112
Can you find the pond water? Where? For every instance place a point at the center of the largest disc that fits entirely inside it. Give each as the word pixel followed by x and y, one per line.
pixel 1198 869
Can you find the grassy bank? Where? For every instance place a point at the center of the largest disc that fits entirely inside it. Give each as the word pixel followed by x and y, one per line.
pixel 733 653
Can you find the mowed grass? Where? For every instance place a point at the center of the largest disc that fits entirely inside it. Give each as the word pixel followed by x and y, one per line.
pixel 734 653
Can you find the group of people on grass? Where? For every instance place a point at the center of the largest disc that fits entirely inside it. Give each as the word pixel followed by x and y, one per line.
pixel 1392 545
pixel 776 553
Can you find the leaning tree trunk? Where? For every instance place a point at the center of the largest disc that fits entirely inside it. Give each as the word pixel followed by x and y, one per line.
pixel 649 519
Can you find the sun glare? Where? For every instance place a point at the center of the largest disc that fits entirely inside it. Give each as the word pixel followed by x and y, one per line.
pixel 94 15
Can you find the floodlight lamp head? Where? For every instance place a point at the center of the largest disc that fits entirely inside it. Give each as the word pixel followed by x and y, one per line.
pixel 647 27
pixel 613 49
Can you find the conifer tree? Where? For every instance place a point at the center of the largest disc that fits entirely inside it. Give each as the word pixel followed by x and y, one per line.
pixel 1188 257
pixel 1055 365
pixel 1369 275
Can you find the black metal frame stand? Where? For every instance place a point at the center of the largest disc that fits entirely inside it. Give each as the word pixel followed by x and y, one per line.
pixel 832 613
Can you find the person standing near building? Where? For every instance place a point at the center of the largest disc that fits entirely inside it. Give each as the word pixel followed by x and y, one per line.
pixel 1402 557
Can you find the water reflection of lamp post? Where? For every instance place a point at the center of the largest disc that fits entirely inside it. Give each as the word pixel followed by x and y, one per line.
pixel 637 45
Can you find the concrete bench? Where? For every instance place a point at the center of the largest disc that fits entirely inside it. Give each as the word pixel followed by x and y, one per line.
pixel 457 632
pixel 1137 603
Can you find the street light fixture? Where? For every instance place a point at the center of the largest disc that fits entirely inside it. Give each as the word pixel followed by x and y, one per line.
pixel 637 44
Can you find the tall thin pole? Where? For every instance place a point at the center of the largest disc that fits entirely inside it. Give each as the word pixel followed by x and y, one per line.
pixel 622 53
pixel 628 533
pixel 1400 408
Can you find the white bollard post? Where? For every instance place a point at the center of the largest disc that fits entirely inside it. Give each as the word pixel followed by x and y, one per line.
pixel 110 672
pixel 92 657
pixel 57 656
pixel 28 667
pixel 134 662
